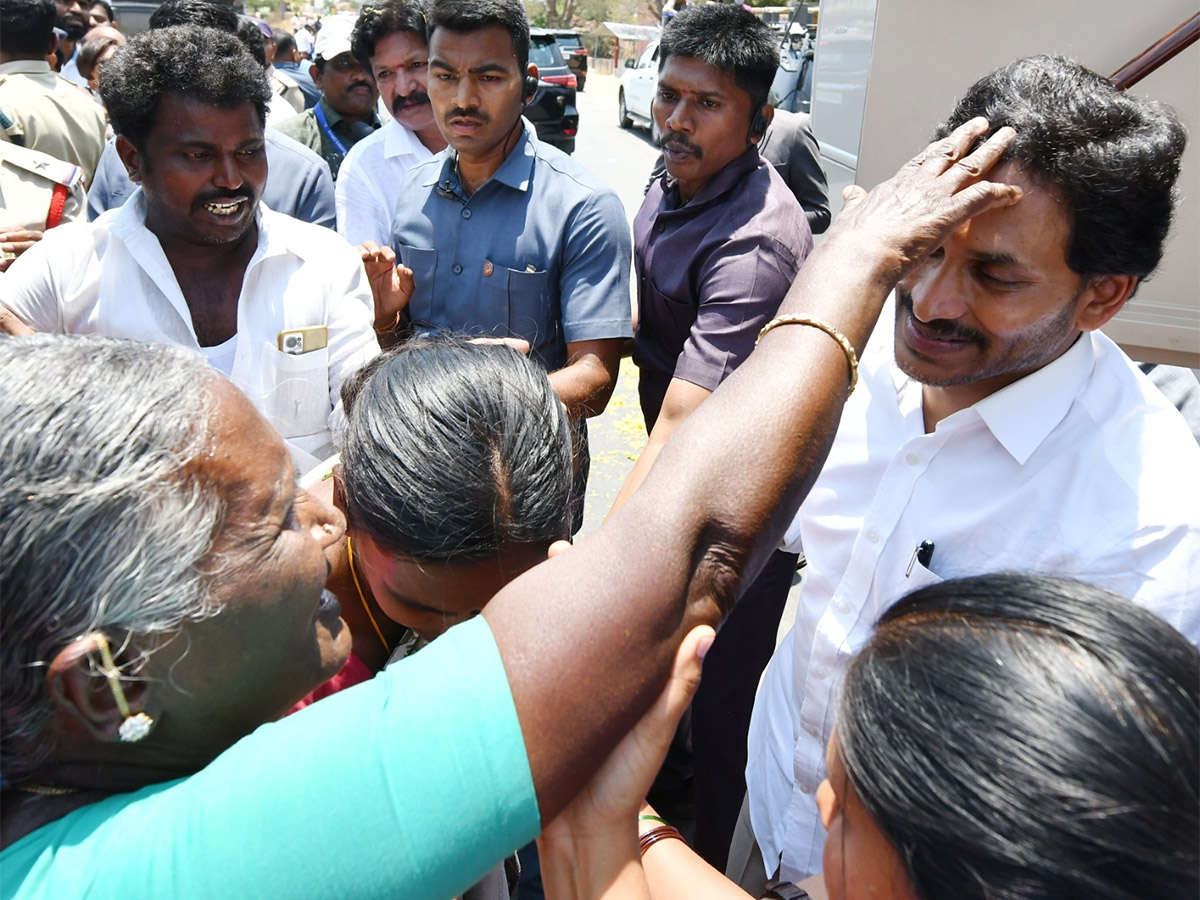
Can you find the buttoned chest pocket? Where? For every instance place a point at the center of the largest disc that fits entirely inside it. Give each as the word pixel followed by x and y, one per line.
pixel 426 306
pixel 518 299
pixel 294 391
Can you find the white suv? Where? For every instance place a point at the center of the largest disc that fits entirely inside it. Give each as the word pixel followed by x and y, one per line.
pixel 639 82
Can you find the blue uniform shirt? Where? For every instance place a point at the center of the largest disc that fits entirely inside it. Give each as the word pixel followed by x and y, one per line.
pixel 541 251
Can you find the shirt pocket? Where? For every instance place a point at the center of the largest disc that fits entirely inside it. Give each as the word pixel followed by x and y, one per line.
pixel 518 299
pixel 294 391
pixel 425 308
pixel 665 324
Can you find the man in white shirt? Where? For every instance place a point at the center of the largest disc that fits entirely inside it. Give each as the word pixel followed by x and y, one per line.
pixel 281 306
pixel 389 39
pixel 996 428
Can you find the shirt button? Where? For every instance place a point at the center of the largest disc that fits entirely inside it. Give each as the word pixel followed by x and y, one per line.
pixel 842 605
pixel 805 788
pixel 466 213
pixel 819 673
pixel 912 459
pixel 660 227
pixel 813 731
pixel 873 536
pixel 456 269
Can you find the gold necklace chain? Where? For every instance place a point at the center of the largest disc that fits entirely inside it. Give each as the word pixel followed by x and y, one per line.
pixel 363 597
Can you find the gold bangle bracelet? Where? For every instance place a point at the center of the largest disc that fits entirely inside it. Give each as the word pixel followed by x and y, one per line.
pixel 843 342
pixel 388 329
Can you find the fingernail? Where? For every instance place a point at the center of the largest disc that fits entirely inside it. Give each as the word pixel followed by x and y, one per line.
pixel 705 643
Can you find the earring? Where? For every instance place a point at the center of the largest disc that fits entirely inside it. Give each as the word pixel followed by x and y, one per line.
pixel 135 727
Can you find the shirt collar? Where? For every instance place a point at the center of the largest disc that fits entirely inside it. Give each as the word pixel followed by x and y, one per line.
pixel 129 224
pixel 720 184
pixel 1023 414
pixel 332 116
pixel 26 67
pixel 399 141
pixel 516 171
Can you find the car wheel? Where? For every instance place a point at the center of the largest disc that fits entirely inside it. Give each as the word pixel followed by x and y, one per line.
pixel 623 114
pixel 581 80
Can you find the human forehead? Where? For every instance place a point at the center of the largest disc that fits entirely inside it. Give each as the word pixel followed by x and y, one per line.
pixel 489 46
pixel 693 76
pixel 245 459
pixel 1033 232
pixel 398 49
pixel 183 119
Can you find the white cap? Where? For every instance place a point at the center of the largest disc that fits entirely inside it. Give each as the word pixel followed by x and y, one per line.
pixel 334 37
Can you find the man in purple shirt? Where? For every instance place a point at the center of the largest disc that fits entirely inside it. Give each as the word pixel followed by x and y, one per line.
pixel 717 242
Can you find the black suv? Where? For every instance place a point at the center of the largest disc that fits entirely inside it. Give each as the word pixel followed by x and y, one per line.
pixel 552 111
pixel 576 55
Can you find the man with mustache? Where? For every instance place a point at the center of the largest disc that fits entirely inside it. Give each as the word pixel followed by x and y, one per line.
pixel 345 114
pixel 280 306
pixel 994 428
pixel 500 234
pixel 717 244
pixel 389 39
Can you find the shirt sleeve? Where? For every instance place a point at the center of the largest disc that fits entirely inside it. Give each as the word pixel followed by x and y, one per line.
pixel 594 285
pixel 410 785
pixel 30 287
pixel 806 177
pixel 740 289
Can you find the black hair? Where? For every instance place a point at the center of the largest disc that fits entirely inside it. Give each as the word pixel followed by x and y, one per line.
pixel 1018 737
pixel 112 16
pixel 251 35
pixel 730 39
pixel 26 26
pixel 378 20
pixel 195 12
pixel 472 15
pixel 284 42
pixel 202 63
pixel 1113 157
pixel 454 450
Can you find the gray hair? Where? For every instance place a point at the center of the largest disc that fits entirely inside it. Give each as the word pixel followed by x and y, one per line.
pixel 102 525
pixel 454 450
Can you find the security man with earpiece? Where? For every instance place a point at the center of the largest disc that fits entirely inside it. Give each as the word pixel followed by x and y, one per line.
pixel 500 234
pixel 717 242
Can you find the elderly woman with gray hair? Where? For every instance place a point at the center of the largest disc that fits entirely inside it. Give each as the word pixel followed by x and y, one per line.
pixel 163 598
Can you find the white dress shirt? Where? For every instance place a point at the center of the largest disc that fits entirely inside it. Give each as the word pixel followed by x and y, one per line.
pixel 369 179
pixel 1080 469
pixel 111 277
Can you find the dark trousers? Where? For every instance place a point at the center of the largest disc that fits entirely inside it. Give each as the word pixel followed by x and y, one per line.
pixel 703 780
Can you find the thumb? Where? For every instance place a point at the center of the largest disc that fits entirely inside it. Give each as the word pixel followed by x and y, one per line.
pixel 685 674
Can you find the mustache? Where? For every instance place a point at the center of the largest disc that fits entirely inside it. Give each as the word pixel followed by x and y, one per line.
pixel 675 139
pixel 457 113
pixel 404 101
pixel 941 328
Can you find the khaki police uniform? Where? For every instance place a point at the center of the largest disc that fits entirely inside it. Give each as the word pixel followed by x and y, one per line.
pixel 38 191
pixel 53 115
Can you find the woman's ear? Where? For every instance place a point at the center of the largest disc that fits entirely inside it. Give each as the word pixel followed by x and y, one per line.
pixel 83 693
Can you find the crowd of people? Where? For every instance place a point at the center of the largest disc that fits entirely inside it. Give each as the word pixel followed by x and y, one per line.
pixel 300 334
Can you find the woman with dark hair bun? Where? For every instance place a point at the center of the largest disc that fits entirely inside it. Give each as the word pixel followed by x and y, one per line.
pixel 454 476
pixel 1004 737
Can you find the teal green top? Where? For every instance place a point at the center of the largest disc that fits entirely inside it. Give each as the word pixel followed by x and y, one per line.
pixel 410 785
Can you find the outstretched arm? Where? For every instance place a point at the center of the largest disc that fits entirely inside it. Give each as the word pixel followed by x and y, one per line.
pixel 704 521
